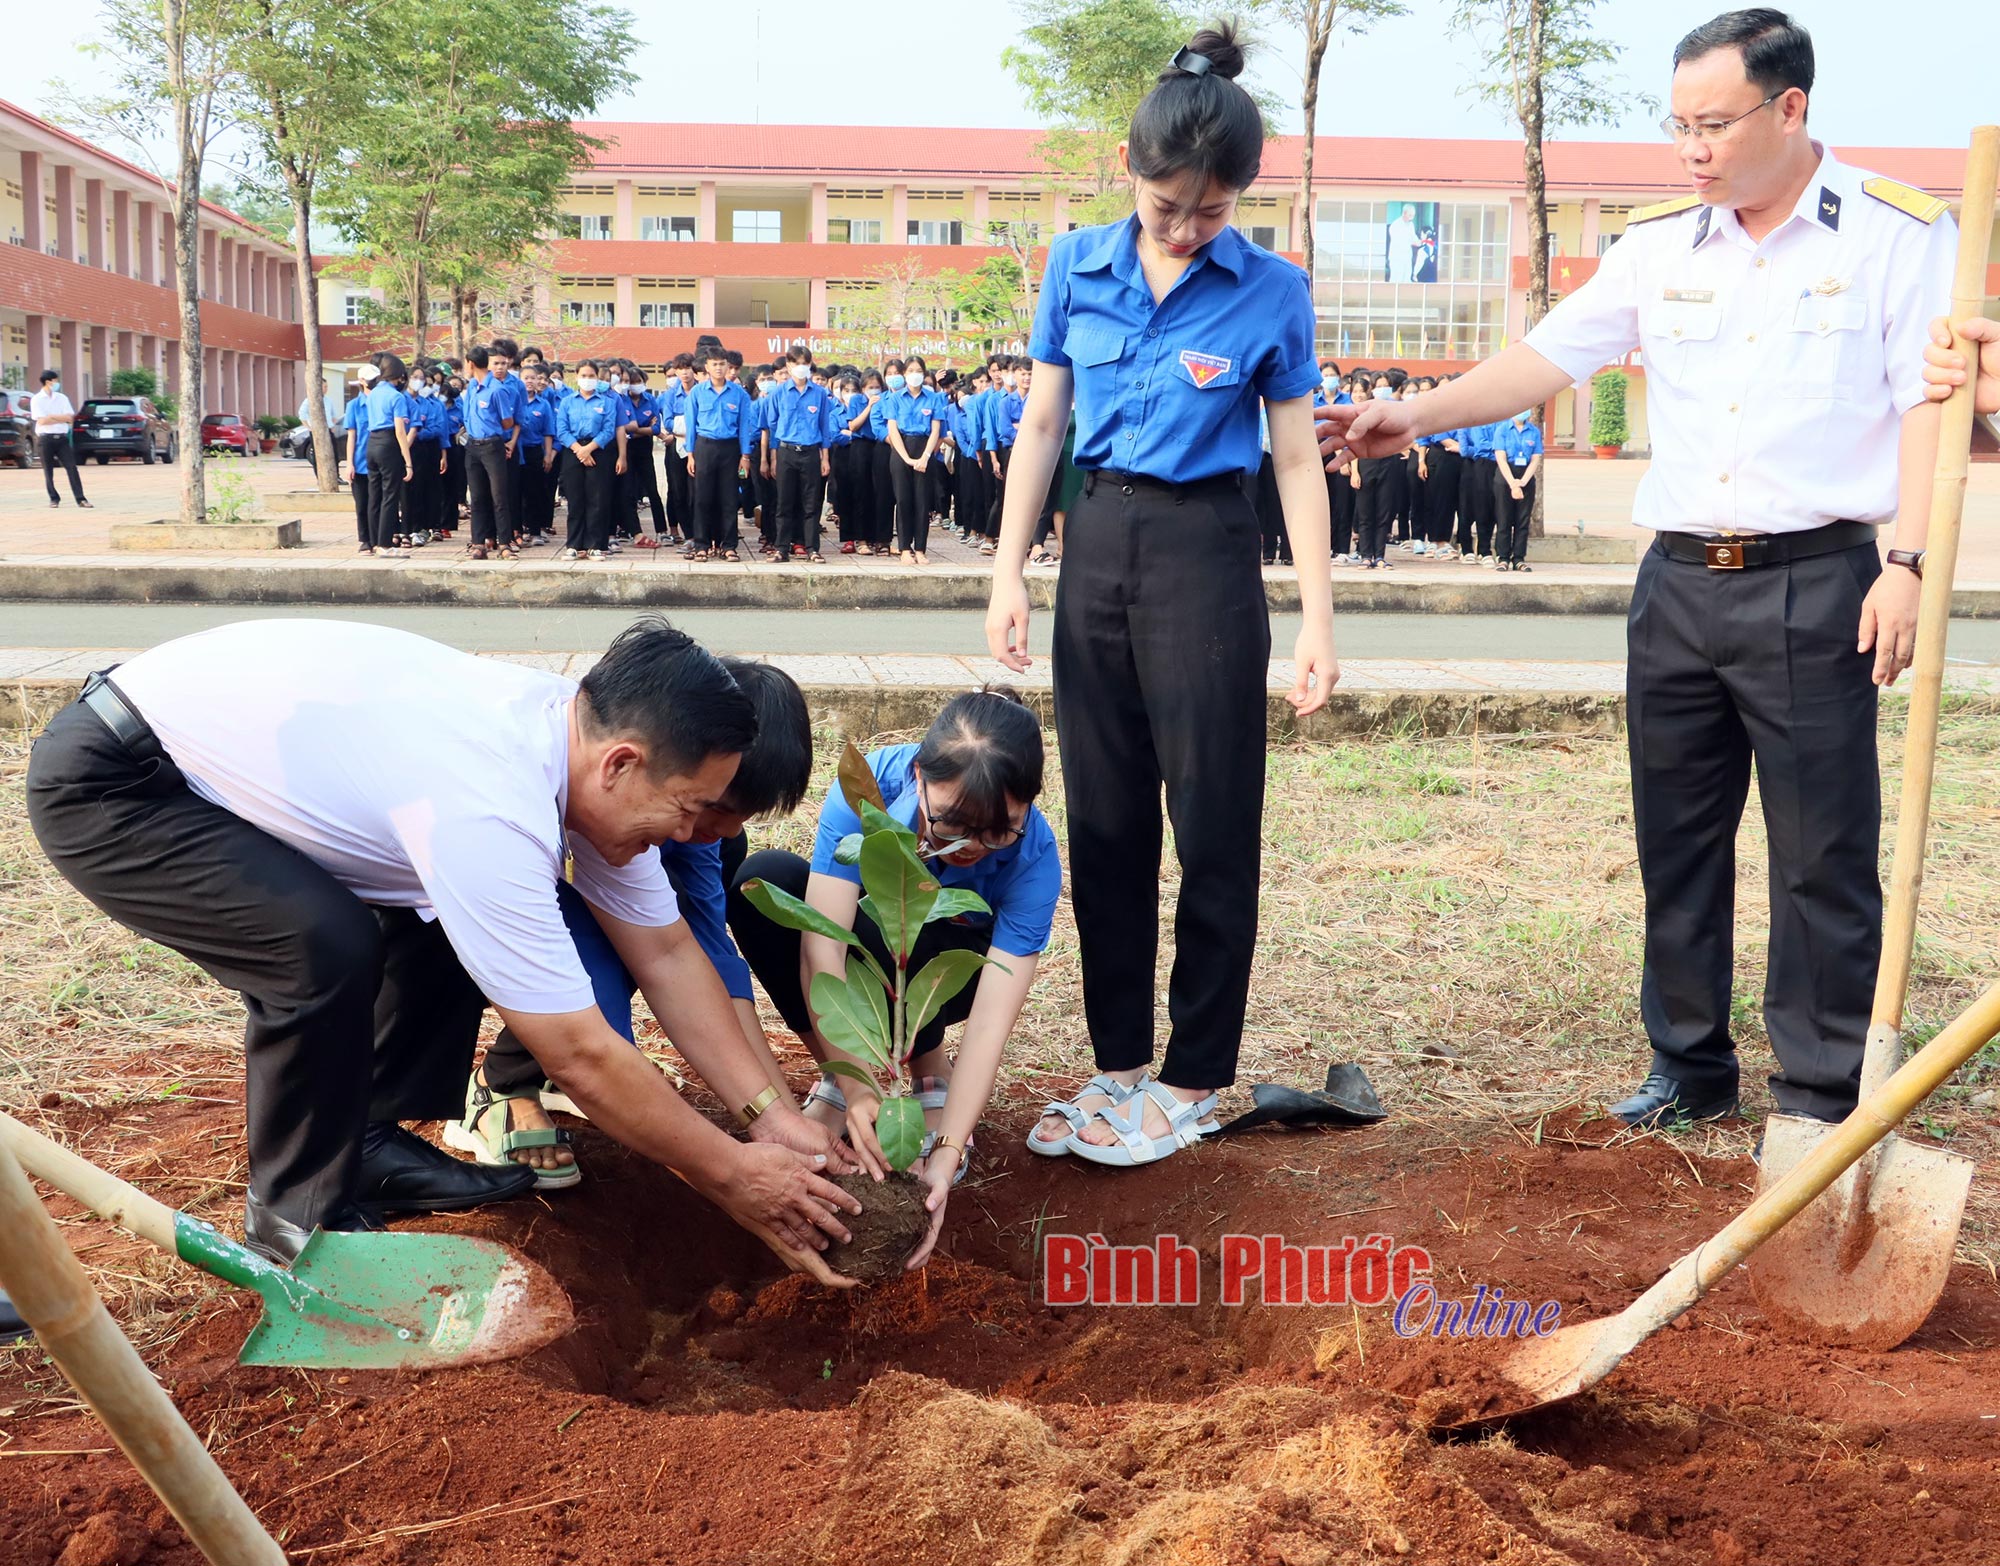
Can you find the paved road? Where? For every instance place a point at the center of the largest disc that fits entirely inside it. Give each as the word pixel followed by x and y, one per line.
pixel 1582 638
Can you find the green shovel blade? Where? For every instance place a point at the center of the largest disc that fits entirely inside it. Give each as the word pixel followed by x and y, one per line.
pixel 387 1301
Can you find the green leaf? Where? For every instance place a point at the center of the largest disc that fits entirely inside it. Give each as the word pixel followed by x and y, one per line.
pixel 900 1129
pixel 857 779
pixel 899 886
pixel 853 1015
pixel 848 850
pixel 956 900
pixel 843 1068
pixel 941 978
pixel 876 820
pixel 780 907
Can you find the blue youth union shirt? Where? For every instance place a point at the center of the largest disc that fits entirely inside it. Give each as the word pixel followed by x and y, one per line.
pixel 912 412
pixel 386 404
pixel 802 416
pixel 537 423
pixel 1171 389
pixel 1520 442
pixel 728 414
pixel 1020 883
pixel 589 418
pixel 354 419
pixel 695 871
pixel 486 403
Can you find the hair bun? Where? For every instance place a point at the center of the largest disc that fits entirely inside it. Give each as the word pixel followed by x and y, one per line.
pixel 1225 54
pixel 1006 693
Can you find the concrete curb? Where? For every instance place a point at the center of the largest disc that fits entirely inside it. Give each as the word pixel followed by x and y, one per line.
pixel 673 586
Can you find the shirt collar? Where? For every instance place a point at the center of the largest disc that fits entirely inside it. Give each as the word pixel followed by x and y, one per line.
pixel 1116 249
pixel 1820 205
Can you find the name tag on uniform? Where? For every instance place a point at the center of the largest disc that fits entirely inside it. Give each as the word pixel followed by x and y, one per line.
pixel 1688 295
pixel 1203 368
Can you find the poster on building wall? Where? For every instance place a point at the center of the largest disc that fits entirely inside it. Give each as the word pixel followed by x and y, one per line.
pixel 1410 243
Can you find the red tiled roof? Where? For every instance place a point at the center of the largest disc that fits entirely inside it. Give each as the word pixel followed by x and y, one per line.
pixel 864 152
pixel 143 176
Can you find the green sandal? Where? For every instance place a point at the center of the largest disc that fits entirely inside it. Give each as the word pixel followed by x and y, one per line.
pixel 498 1152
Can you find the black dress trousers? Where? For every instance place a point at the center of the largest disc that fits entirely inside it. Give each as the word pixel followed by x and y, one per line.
pixel 1161 650
pixel 1727 668
pixel 356 1014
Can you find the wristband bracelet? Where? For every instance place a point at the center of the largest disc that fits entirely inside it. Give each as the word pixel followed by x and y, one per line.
pixel 758 1105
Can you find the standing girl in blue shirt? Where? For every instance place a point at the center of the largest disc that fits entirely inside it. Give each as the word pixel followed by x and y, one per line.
pixel 914 425
pixel 1169 330
pixel 389 414
pixel 354 420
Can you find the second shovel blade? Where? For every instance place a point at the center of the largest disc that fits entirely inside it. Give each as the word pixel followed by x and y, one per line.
pixel 1859 1267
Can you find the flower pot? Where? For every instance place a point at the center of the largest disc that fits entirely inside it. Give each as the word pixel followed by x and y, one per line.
pixel 1607 452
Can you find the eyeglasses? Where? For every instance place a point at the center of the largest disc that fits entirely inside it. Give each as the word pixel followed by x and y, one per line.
pixel 1711 130
pixel 960 838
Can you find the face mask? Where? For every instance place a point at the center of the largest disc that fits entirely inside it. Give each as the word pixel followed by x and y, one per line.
pixel 1329 382
pixel 586 383
pixel 914 379
pixel 1385 393
pixel 802 373
pixel 764 384
pixel 1012 380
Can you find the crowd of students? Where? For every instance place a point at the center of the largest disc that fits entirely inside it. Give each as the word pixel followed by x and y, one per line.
pixel 1460 495
pixel 883 454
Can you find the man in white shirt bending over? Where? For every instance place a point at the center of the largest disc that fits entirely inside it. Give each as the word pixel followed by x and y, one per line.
pixel 362 833
pixel 53 417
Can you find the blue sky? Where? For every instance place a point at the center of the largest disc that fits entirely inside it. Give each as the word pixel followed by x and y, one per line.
pixel 795 61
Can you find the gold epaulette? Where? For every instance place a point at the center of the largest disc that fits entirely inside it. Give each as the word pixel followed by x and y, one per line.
pixel 1921 205
pixel 1660 209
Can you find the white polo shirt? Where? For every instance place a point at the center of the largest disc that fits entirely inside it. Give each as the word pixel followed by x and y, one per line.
pixel 44 403
pixel 417 776
pixel 1777 371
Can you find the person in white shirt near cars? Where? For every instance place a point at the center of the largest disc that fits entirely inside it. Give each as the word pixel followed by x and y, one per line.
pixel 53 417
pixel 1783 309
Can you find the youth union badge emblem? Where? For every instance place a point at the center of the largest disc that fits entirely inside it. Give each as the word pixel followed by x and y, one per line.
pixel 1203 367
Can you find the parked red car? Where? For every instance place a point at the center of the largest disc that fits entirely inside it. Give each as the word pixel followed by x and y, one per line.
pixel 225 430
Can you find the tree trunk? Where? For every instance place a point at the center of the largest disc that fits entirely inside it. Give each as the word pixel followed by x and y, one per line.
pixel 1319 22
pixel 185 206
pixel 1538 204
pixel 325 456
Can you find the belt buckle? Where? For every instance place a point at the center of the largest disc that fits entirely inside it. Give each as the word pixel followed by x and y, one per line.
pixel 1724 554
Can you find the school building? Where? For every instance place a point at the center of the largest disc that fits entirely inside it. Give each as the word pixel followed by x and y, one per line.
pixel 87 279
pixel 767 235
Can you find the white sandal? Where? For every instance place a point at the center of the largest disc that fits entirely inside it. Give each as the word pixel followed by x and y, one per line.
pixel 1078 1117
pixel 1133 1146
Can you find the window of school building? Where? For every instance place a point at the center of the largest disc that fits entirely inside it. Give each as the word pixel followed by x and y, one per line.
pixel 667 228
pixel 753 226
pixel 927 231
pixel 1410 278
pixel 854 231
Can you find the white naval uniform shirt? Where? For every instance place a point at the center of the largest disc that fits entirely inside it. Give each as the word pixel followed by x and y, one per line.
pixel 1777 371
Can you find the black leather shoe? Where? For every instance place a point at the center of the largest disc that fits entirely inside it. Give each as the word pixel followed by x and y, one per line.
pixel 280 1240
pixel 402 1173
pixel 1661 1101
pixel 12 1328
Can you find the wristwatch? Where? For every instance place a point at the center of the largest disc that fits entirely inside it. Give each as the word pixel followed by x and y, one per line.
pixel 1913 558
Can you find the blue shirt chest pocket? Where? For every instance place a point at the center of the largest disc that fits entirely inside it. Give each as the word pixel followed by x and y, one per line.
pixel 1093 346
pixel 1205 371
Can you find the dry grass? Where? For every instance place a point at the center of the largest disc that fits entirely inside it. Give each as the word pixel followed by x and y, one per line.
pixel 1461 916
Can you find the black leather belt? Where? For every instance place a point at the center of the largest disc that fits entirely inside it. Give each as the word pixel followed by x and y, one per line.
pixel 797 445
pixel 117 715
pixel 1133 483
pixel 1746 552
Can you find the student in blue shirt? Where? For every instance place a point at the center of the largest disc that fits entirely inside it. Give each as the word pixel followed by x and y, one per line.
pixel 968 791
pixel 1168 331
pixel 452 505
pixel 490 405
pixel 1517 457
pixel 722 423
pixel 354 420
pixel 676 445
pixel 1475 490
pixel 638 424
pixel 871 477
pixel 843 388
pixel 510 1094
pixel 913 425
pixel 587 428
pixel 801 430
pixel 1339 486
pixel 535 451
pixel 426 459
pixel 389 413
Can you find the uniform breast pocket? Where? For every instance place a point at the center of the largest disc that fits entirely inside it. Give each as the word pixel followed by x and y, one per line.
pixel 1822 344
pixel 1675 329
pixel 1092 345
pixel 1207 371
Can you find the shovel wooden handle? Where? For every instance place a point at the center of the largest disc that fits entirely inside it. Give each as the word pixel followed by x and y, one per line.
pixel 111 1198
pixel 1899 932
pixel 55 1298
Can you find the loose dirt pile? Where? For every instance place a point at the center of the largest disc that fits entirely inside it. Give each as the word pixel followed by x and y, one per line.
pixel 708 1409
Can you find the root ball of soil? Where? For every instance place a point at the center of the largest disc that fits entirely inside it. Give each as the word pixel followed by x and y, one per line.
pixel 891 1224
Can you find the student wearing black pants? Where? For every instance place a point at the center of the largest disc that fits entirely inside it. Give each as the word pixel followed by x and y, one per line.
pixel 1512 511
pixel 389 412
pixel 1375 507
pixel 1162 633
pixel 1440 493
pixel 1340 512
